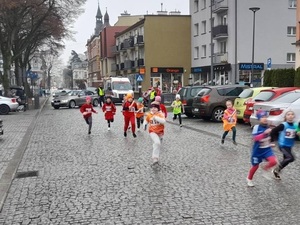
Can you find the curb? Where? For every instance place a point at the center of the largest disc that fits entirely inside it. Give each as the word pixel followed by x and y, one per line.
pixel 13 165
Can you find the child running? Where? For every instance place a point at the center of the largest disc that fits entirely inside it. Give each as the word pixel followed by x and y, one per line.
pixel 286 133
pixel 261 148
pixel 156 119
pixel 86 110
pixel 162 106
pixel 177 109
pixel 129 108
pixel 139 113
pixel 229 122
pixel 109 110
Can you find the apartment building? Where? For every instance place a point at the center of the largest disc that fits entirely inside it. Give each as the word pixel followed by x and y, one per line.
pixel 155 52
pixel 222 39
pixel 297 43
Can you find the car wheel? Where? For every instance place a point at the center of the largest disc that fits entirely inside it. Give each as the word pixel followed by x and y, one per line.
pixel 56 107
pixel 189 115
pixel 72 104
pixel 217 114
pixel 4 109
pixel 95 102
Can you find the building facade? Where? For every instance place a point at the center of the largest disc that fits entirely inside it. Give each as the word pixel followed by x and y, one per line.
pixel 297 43
pixel 222 39
pixel 155 52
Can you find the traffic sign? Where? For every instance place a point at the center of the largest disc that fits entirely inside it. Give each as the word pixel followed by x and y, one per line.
pixel 269 63
pixel 139 77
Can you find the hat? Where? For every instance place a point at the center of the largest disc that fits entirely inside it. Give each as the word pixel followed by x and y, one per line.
pixel 261 113
pixel 157 98
pixel 155 104
pixel 140 99
pixel 177 96
pixel 88 98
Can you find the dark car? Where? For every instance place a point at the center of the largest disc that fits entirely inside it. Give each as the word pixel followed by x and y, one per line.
pixel 210 102
pixel 187 94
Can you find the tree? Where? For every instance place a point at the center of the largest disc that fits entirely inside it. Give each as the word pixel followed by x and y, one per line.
pixel 27 25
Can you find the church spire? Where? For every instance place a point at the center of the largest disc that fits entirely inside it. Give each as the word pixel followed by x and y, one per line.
pixel 99 23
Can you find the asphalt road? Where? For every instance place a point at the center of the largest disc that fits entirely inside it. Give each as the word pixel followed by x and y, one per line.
pixel 104 178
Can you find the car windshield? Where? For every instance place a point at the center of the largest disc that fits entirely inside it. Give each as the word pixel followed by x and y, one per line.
pixel 288 97
pixel 246 93
pixel 118 85
pixel 182 92
pixel 264 96
pixel 73 93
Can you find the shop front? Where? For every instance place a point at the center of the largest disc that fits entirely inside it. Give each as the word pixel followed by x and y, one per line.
pixel 245 70
pixel 168 79
pixel 201 75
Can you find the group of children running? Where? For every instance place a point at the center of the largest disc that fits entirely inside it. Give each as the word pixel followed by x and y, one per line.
pixel 135 116
pixel 264 138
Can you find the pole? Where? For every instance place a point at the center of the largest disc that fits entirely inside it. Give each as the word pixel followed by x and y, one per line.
pixel 254 10
pixel 235 46
pixel 211 44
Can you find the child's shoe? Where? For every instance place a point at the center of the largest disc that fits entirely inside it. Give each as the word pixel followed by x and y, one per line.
pixel 234 142
pixel 134 135
pixel 125 134
pixel 108 128
pixel 276 174
pixel 250 183
pixel 222 141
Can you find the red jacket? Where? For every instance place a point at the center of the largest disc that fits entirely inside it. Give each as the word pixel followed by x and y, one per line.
pixel 129 112
pixel 163 109
pixel 87 108
pixel 110 110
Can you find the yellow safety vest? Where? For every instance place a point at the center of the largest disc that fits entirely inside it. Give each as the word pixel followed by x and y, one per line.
pixel 101 92
pixel 152 95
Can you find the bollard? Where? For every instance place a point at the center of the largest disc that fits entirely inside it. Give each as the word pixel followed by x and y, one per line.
pixel 36 101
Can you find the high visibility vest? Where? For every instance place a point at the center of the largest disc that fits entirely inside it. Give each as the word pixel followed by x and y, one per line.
pixel 152 95
pixel 101 92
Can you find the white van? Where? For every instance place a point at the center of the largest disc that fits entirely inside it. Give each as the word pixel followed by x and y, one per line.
pixel 117 87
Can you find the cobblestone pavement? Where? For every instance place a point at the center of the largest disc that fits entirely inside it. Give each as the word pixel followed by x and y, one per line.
pixel 104 178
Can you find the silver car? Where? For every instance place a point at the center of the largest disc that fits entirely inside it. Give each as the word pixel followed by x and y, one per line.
pixel 277 108
pixel 74 98
pixel 8 105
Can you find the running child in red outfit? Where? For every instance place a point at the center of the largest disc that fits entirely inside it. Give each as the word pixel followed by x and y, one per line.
pixel 109 110
pixel 161 106
pixel 129 108
pixel 87 110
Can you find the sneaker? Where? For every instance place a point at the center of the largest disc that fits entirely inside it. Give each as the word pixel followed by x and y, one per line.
pixel 234 142
pixel 276 174
pixel 250 183
pixel 108 128
pixel 89 132
pixel 134 135
pixel 125 134
pixel 180 125
pixel 222 141
pixel 138 129
pixel 266 174
pixel 155 161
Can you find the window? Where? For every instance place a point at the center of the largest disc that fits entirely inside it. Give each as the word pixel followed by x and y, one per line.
pixel 203 50
pixel 196 52
pixel 291 57
pixel 196 6
pixel 203 31
pixel 293 3
pixel 196 29
pixel 223 47
pixel 291 31
pixel 203 4
pixel 224 20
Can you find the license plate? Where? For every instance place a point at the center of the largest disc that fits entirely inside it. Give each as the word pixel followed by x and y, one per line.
pixel 56 103
pixel 196 110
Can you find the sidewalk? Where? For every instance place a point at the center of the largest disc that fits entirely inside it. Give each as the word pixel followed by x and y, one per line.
pixel 18 127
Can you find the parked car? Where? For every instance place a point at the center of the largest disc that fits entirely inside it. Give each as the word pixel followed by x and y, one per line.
pixel 74 98
pixel 187 94
pixel 241 100
pixel 210 101
pixel 60 92
pixel 264 96
pixel 278 107
pixel 8 105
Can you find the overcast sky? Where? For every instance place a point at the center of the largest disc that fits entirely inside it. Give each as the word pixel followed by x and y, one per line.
pixel 86 22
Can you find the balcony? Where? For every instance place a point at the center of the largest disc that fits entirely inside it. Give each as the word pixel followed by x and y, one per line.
pixel 220 58
pixel 139 40
pixel 121 66
pixel 129 43
pixel 128 64
pixel 114 49
pixel 220 6
pixel 121 47
pixel 220 32
pixel 114 67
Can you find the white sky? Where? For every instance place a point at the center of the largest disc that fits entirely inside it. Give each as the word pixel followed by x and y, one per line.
pixel 86 22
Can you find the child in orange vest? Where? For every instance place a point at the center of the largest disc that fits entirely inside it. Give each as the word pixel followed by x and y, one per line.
pixel 229 122
pixel 156 120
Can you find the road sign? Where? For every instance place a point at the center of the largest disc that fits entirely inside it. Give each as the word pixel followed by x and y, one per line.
pixel 139 77
pixel 269 63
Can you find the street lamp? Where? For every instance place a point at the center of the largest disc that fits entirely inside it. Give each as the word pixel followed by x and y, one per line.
pixel 254 10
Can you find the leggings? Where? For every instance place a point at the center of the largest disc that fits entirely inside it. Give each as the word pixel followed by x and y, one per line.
pixel 110 121
pixel 139 121
pixel 233 133
pixel 89 121
pixel 288 157
pixel 272 161
pixel 157 140
pixel 130 119
pixel 179 117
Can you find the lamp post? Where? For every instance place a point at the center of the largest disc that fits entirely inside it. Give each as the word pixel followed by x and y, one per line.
pixel 254 10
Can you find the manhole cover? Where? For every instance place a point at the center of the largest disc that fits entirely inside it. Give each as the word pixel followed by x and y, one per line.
pixel 27 174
